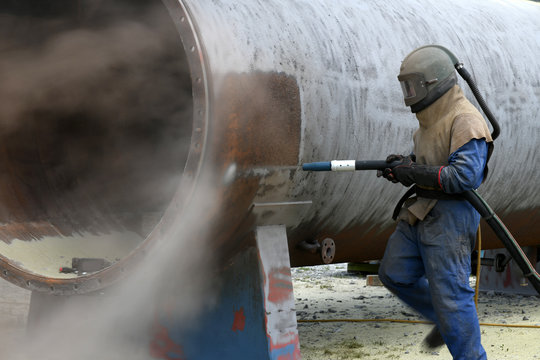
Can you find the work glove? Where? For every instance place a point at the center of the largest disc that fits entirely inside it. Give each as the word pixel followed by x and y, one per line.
pixel 387 173
pixel 409 173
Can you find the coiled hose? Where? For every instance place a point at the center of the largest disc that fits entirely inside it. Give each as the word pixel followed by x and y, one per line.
pixel 480 204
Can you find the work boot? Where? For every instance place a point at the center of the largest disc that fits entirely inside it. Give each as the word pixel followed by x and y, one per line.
pixel 433 339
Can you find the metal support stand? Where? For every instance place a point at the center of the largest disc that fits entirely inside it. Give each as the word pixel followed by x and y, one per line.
pixel 254 315
pixel 510 279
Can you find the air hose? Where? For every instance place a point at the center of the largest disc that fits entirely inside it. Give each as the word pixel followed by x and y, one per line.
pixel 505 236
pixel 480 204
pixel 476 200
pixel 467 77
pixel 469 80
pixel 471 196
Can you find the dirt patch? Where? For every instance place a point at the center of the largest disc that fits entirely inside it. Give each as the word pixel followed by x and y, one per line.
pixel 329 292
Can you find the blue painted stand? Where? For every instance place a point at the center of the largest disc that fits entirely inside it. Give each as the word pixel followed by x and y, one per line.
pixel 254 317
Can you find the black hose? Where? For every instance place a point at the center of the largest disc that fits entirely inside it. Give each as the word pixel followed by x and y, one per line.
pixel 471 196
pixel 484 209
pixel 468 78
pixel 375 164
pixel 505 236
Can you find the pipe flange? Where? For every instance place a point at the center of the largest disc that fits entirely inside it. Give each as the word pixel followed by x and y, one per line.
pixel 328 250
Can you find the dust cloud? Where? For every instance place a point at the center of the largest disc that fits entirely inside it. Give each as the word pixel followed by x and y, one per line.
pixel 95 112
pixel 95 124
pixel 174 281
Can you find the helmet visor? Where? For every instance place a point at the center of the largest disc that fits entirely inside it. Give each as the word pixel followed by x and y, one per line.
pixel 413 87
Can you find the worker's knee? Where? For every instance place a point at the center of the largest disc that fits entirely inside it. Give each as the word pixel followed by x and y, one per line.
pixel 398 274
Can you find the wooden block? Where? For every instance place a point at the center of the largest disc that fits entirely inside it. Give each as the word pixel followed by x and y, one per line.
pixel 373 280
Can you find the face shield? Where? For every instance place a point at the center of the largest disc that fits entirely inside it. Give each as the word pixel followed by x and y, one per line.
pixel 413 87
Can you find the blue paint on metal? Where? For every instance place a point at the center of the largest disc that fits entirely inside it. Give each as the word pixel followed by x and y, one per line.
pixel 286 352
pixel 214 336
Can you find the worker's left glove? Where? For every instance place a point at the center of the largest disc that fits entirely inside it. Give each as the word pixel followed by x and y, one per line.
pixel 409 173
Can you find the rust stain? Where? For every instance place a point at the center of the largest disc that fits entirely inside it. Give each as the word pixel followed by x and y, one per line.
pixel 163 347
pixel 257 124
pixel 239 321
pixel 28 231
pixel 263 116
pixel 365 242
pixel 523 225
pixel 358 243
pixel 280 285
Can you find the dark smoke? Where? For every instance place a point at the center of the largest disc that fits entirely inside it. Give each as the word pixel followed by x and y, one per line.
pixel 95 103
pixel 95 127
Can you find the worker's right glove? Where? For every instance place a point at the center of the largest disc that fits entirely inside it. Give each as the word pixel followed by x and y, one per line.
pixel 409 173
pixel 387 173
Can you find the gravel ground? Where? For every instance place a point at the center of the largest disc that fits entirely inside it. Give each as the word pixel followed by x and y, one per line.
pixel 329 292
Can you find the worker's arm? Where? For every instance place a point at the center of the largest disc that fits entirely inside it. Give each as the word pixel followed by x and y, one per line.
pixel 465 169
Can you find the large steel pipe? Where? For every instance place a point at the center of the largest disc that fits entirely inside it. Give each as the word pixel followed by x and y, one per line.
pixel 271 84
pixel 97 134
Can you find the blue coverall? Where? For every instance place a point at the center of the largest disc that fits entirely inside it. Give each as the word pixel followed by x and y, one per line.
pixel 428 265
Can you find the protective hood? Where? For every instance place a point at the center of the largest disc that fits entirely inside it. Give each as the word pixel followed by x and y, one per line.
pixel 425 75
pixel 445 126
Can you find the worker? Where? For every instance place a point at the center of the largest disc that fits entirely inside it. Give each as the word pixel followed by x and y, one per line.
pixel 427 261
